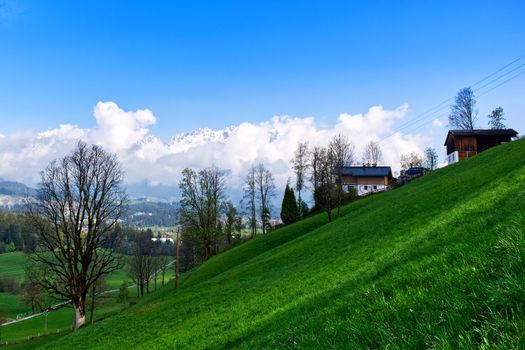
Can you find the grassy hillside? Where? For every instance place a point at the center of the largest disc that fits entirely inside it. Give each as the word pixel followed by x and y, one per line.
pixel 12 266
pixel 437 263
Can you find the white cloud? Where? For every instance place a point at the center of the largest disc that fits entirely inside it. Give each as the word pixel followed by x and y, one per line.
pixel 117 129
pixel 147 158
pixel 438 123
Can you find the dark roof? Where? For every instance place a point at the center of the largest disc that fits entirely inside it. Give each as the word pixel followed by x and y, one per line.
pixel 415 170
pixel 366 171
pixel 482 132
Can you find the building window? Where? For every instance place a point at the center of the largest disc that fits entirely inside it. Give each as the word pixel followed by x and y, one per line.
pixel 375 187
pixel 366 188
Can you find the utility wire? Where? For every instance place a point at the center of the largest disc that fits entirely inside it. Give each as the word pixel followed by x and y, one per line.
pixel 437 107
pixel 501 76
pixel 441 106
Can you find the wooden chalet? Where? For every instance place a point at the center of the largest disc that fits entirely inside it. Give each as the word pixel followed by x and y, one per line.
pixel 463 144
pixel 365 179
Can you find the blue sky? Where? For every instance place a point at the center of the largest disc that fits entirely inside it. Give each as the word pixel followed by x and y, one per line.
pixel 212 64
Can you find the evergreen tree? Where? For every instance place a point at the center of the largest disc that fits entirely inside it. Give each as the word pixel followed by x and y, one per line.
pixel 289 208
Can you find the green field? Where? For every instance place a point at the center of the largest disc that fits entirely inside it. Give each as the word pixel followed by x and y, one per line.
pixel 13 264
pixel 438 263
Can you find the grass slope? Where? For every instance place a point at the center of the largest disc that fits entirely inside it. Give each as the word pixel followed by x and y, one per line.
pixel 437 263
pixel 13 265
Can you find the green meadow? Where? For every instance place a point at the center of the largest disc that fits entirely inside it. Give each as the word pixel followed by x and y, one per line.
pixel 12 266
pixel 438 263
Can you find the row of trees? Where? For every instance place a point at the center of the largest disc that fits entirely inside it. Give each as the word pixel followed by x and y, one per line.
pixel 429 159
pixel 259 190
pixel 209 221
pixel 463 114
pixel 16 233
pixel 320 168
pixel 147 262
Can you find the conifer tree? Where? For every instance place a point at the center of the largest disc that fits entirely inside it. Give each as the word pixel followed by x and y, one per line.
pixel 289 208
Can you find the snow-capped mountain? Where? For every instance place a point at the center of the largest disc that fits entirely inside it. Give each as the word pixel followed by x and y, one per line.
pixel 202 135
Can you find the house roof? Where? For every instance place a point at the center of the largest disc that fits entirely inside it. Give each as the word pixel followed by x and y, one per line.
pixel 482 132
pixel 366 171
pixel 416 170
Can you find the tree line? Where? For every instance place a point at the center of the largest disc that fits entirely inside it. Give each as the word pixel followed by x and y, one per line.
pixel 16 233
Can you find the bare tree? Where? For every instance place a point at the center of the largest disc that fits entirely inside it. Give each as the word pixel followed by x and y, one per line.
pixel 163 263
pixel 496 118
pixel 232 224
pixel 265 186
pixel 411 160
pixel 372 154
pixel 431 158
pixel 32 292
pixel 340 154
pixel 326 192
pixel 142 264
pixel 341 151
pixel 462 114
pixel 212 182
pixel 202 196
pixel 250 200
pixel 316 157
pixel 300 166
pixel 80 200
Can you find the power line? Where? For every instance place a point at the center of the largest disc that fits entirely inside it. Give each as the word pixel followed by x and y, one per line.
pixel 501 76
pixel 482 94
pixel 504 82
pixel 438 107
pixel 441 106
pixel 499 70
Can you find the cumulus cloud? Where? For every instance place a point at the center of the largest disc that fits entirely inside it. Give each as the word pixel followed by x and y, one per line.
pixel 148 158
pixel 119 130
pixel 438 123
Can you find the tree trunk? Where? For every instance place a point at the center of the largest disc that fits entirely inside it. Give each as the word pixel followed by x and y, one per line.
pixel 80 312
pixel 163 271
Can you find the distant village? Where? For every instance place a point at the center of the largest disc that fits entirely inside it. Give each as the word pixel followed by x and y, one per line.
pixel 460 145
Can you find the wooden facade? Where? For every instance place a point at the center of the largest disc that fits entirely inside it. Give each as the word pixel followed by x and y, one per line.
pixel 462 144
